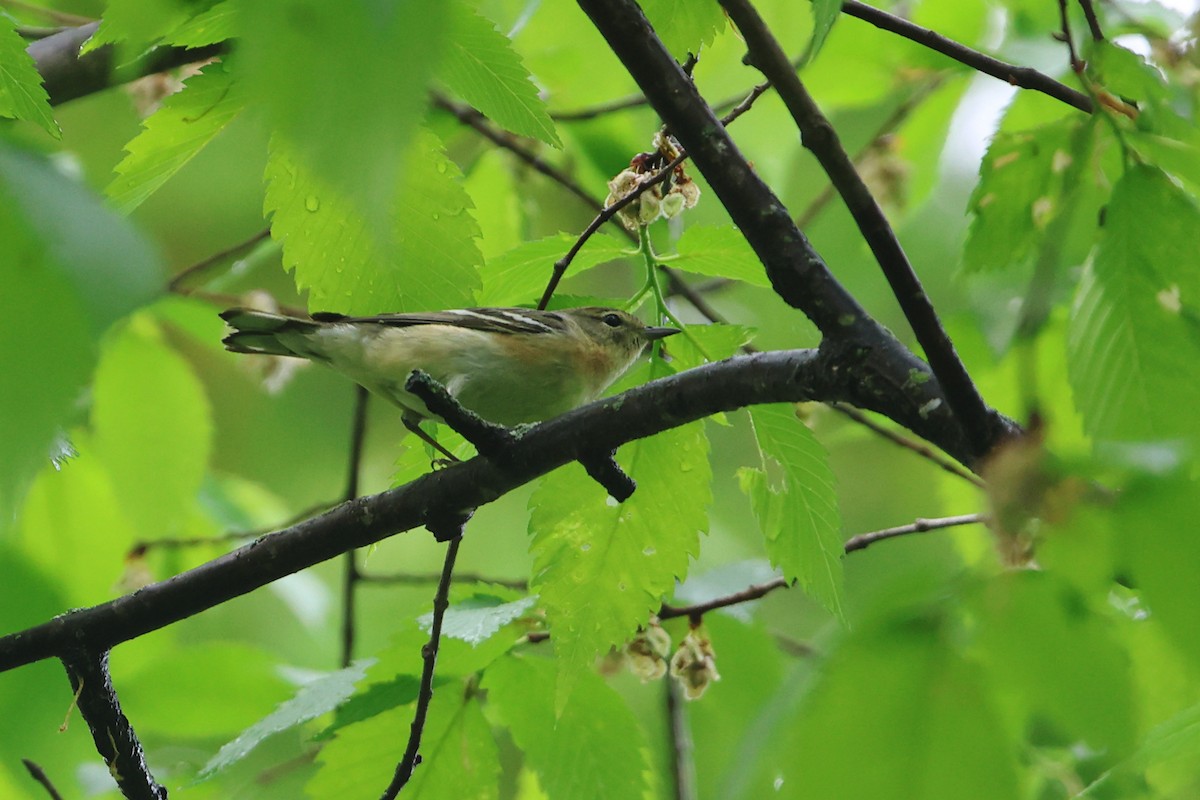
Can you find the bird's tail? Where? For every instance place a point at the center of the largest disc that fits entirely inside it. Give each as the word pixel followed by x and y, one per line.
pixel 259 332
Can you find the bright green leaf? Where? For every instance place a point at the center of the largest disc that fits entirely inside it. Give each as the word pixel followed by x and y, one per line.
pixel 719 253
pixel 825 14
pixel 65 258
pixel 141 23
pixel 21 93
pixel 217 24
pixel 1020 190
pixel 520 276
pixel 313 699
pixel 575 754
pixel 482 68
pixel 228 686
pixel 1061 665
pixel 153 428
pixel 684 25
pixel 478 618
pixel 1134 341
pixel 603 567
pixel 795 503
pixel 925 714
pixel 175 134
pixel 345 86
pixel 459 755
pixel 426 261
pixel 1157 524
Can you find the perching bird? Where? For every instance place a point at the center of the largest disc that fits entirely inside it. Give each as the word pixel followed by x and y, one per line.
pixel 508 365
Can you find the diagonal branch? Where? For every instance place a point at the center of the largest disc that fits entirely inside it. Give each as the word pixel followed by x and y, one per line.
pixel 1024 77
pixel 115 738
pixel 781 376
pixel 796 271
pixel 819 136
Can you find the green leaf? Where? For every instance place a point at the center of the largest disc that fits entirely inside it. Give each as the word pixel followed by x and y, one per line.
pixel 1175 738
pixel 683 25
pixel 229 685
pixel 217 24
pixel 794 500
pixel 153 428
pixel 903 694
pixel 701 344
pixel 426 261
pixel 1156 519
pixel 520 276
pixel 70 267
pixel 482 68
pixel 1019 192
pixel 459 755
pixel 313 699
pixel 141 23
pixel 576 753
pixel 21 93
pixel 345 85
pixel 175 134
pixel 825 14
pixel 478 618
pixel 1058 663
pixel 719 253
pixel 1133 341
pixel 601 568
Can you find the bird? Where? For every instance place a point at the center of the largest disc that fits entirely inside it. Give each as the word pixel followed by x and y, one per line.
pixel 508 365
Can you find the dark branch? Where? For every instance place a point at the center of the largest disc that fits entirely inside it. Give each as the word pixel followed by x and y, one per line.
pixel 350 575
pixel 40 776
pixel 819 136
pixel 698 610
pixel 797 272
pixel 115 739
pixel 669 402
pixel 1024 77
pixel 429 652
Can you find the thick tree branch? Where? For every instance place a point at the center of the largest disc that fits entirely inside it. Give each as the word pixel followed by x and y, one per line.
pixel 115 739
pixel 796 271
pixel 67 76
pixel 780 376
pixel 819 136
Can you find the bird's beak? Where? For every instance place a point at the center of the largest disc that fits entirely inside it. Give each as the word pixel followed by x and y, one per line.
pixel 659 333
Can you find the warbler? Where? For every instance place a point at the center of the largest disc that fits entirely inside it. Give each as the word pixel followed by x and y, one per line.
pixel 508 365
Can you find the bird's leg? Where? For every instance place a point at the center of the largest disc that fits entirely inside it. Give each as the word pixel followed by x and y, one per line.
pixel 410 422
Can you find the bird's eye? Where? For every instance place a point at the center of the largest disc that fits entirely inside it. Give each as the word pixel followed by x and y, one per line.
pixel 612 320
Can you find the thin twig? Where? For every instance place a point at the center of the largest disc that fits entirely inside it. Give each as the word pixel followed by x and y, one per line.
pixel 864 540
pixel 422 578
pixel 600 110
pixel 40 776
pixel 683 764
pixel 698 610
pixel 140 548
pixel 475 120
pixel 1089 13
pixel 199 268
pixel 1023 77
pixel 441 602
pixel 605 214
pixel 921 449
pixel 351 576
pixel 1065 36
pixel 819 136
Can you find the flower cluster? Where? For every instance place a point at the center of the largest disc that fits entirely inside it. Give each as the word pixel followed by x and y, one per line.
pixel 667 198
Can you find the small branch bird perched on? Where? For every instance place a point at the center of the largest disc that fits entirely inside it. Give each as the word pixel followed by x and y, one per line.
pixel 508 365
